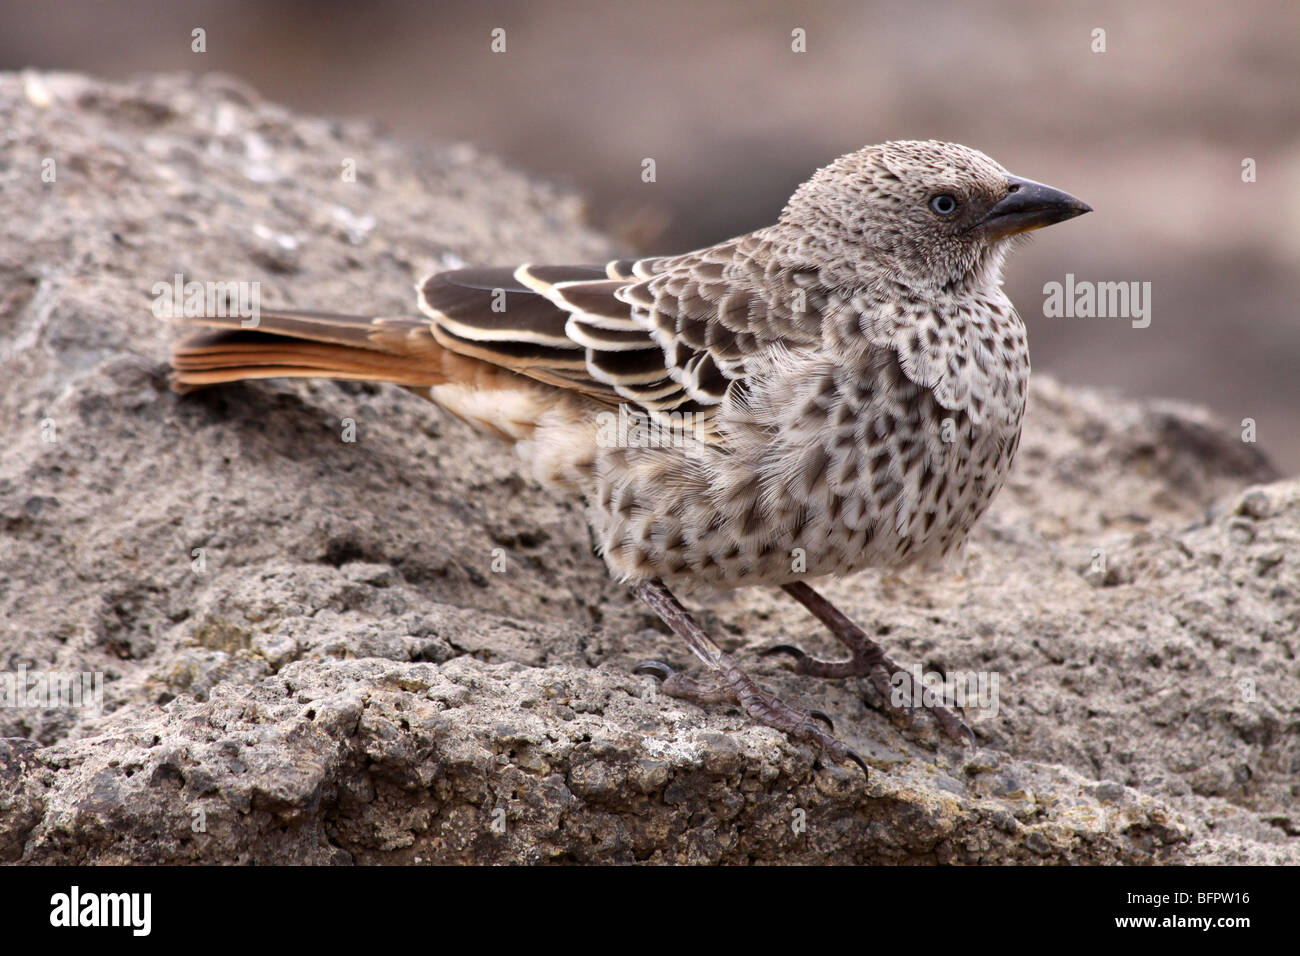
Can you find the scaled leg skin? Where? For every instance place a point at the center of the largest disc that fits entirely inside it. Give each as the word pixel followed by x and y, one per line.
pixel 868 659
pixel 727 682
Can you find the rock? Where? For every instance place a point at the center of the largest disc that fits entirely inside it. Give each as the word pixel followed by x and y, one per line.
pixel 308 653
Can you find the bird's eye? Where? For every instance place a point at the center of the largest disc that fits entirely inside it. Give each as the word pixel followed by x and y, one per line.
pixel 944 204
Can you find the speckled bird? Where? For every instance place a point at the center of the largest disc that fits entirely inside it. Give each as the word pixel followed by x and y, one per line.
pixel 839 391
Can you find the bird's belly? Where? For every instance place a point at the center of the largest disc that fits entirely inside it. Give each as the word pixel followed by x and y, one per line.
pixel 728 523
pixel 925 514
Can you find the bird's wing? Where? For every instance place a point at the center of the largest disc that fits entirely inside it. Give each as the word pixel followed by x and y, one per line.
pixel 664 335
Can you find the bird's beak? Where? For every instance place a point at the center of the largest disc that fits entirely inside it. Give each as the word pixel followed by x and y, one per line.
pixel 1029 205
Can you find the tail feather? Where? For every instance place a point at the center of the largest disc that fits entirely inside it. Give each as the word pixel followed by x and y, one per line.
pixel 310 345
pixel 511 404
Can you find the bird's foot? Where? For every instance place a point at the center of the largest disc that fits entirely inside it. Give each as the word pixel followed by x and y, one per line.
pixel 894 684
pixel 729 684
pixel 867 659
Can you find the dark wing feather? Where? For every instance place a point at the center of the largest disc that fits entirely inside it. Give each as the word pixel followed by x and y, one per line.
pixel 665 334
pixel 489 305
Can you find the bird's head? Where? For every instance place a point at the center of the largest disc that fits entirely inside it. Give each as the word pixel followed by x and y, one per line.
pixel 932 216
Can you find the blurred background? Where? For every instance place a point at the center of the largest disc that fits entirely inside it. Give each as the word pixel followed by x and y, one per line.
pixel 1152 132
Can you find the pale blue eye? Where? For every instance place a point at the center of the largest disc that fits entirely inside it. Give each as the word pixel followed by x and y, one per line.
pixel 944 204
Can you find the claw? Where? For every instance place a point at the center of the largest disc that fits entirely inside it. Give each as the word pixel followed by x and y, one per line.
pixel 798 653
pixel 857 759
pixel 657 669
pixel 961 732
pixel 824 718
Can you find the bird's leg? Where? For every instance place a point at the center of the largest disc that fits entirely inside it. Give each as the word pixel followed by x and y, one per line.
pixel 867 658
pixel 727 682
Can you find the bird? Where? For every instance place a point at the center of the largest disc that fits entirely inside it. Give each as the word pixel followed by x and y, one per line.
pixel 842 390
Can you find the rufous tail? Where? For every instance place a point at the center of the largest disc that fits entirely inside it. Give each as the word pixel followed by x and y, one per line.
pixel 313 345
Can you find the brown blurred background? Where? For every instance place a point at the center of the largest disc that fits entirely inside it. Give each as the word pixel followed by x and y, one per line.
pixel 1152 132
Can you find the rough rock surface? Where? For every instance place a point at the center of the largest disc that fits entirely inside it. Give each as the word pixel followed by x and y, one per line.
pixel 309 657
